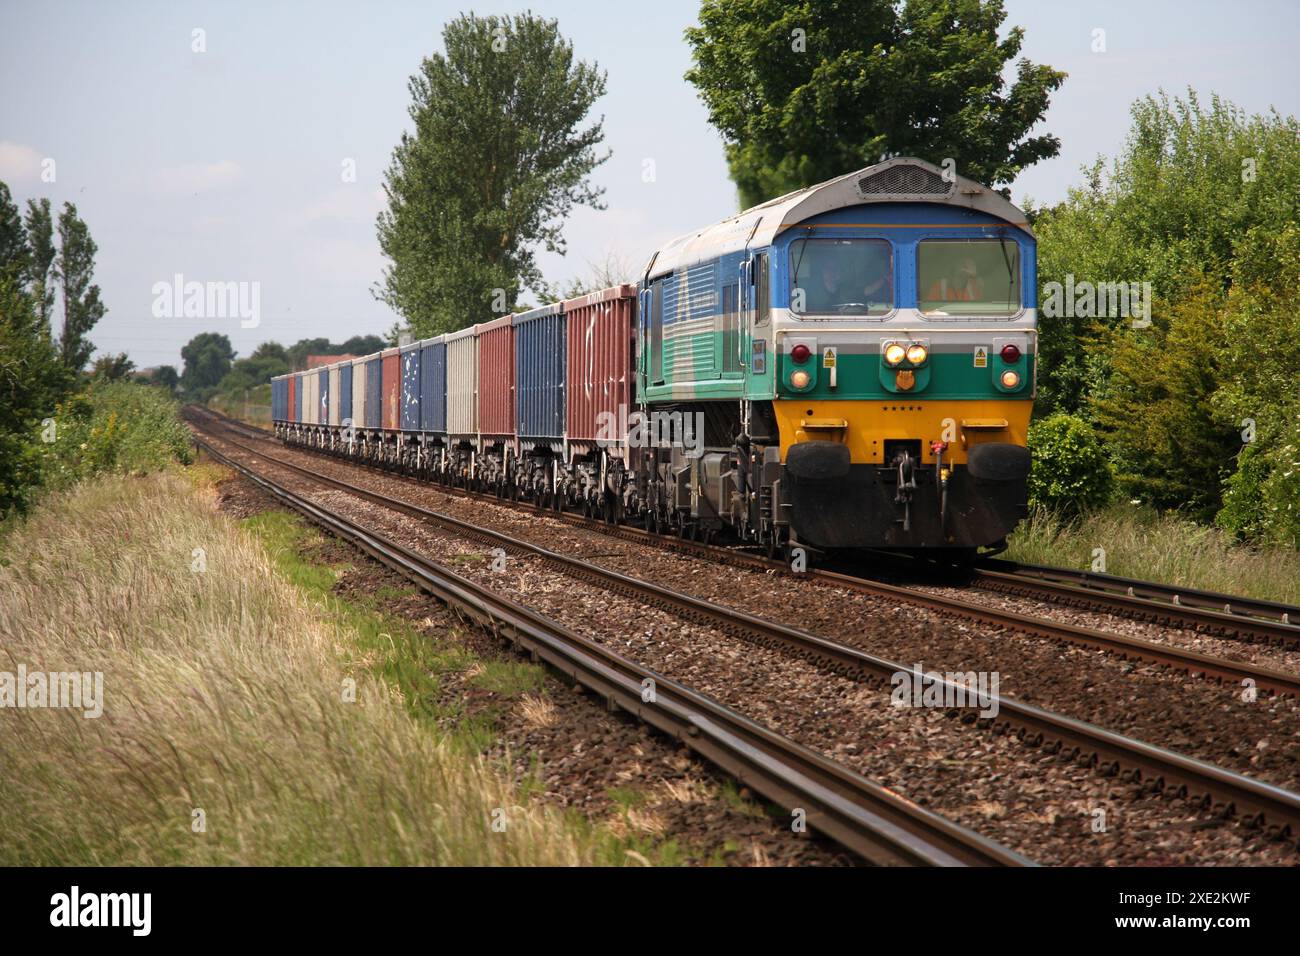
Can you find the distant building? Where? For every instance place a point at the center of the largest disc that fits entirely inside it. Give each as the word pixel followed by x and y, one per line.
pixel 318 361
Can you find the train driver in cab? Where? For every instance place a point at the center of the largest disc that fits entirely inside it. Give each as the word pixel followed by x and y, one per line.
pixel 865 287
pixel 964 285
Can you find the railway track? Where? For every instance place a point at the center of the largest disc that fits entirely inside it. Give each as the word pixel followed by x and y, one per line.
pixel 1208 611
pixel 1125 646
pixel 1226 792
pixel 876 823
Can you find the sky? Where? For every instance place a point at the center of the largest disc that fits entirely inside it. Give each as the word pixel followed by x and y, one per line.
pixel 231 164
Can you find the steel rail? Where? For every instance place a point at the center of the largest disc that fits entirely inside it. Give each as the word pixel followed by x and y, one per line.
pixel 878 824
pixel 1209 610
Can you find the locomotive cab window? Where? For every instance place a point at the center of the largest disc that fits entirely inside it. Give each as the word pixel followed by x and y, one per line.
pixel 841 277
pixel 968 276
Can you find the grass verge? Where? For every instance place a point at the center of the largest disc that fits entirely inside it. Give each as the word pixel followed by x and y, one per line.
pixel 1141 543
pixel 392 647
pixel 244 721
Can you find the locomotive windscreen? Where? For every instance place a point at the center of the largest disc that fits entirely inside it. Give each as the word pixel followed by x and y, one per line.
pixel 841 277
pixel 968 276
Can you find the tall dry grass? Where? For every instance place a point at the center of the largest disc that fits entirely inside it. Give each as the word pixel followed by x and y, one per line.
pixel 224 692
pixel 1140 543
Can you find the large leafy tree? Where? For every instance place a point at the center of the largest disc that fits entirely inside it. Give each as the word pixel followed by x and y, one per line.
pixel 207 357
pixel 81 305
pixel 805 91
pixel 500 153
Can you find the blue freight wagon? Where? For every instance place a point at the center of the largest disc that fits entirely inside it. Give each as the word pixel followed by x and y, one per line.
pixel 540 347
pixel 433 385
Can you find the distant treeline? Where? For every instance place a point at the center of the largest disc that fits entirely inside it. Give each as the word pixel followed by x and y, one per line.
pixel 210 366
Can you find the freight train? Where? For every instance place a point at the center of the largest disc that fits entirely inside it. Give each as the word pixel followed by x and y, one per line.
pixel 850 366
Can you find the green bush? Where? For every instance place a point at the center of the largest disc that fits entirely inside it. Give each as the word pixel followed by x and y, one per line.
pixel 123 427
pixel 1070 472
pixel 1261 350
pixel 1261 501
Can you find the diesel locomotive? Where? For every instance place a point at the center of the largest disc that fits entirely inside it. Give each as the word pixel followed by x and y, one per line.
pixel 850 366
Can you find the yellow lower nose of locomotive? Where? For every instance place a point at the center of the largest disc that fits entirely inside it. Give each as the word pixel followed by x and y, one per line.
pixel 865 426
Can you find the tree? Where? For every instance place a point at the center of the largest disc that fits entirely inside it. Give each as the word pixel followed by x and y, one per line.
pixel 1154 408
pixel 1258 403
pixel 32 382
pixel 81 305
pixel 298 352
pixel 112 368
pixel 40 265
pixel 13 238
pixel 499 155
pixel 166 377
pixel 362 345
pixel 207 357
pixel 1174 208
pixel 805 91
pixel 268 360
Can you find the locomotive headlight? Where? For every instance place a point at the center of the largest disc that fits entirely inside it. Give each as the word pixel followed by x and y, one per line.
pixel 894 353
pixel 1010 378
pixel 917 354
pixel 800 379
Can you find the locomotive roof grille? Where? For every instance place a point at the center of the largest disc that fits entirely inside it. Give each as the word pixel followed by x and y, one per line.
pixel 905 182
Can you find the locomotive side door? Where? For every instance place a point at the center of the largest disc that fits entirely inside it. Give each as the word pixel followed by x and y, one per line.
pixel 756 340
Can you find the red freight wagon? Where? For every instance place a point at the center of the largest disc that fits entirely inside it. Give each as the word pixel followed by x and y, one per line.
pixel 392 388
pixel 598 379
pixel 292 414
pixel 496 378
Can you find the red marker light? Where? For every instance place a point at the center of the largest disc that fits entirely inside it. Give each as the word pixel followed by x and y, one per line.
pixel 1010 354
pixel 800 354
